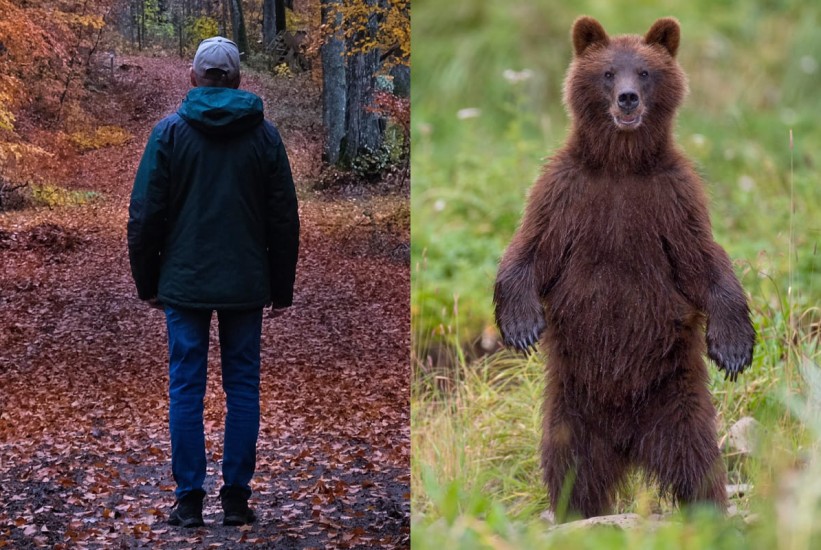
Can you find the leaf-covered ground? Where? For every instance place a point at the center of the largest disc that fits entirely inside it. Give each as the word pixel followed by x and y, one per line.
pixel 84 445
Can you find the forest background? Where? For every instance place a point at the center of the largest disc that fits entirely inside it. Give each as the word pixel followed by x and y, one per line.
pixel 55 56
pixel 84 447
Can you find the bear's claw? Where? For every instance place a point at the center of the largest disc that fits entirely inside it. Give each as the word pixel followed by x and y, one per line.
pixel 730 345
pixel 522 339
pixel 732 360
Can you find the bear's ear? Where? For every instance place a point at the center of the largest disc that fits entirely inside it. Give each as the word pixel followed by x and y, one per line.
pixel 586 32
pixel 665 32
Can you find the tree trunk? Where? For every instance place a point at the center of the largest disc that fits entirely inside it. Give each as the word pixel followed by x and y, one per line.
pixel 238 24
pixel 223 24
pixel 178 20
pixel 132 19
pixel 180 39
pixel 270 22
pixel 363 129
pixel 334 97
pixel 280 15
pixel 401 80
pixel 142 24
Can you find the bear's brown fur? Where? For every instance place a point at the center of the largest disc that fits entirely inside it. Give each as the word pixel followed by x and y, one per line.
pixel 615 268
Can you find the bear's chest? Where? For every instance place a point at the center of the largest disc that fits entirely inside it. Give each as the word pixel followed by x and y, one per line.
pixel 622 222
pixel 616 277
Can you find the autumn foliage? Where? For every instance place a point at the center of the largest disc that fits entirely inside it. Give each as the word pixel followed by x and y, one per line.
pixel 390 19
pixel 46 52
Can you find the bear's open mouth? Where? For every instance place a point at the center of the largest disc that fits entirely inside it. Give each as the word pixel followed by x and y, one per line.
pixel 627 121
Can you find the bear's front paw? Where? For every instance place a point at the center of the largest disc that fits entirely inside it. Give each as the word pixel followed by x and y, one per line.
pixel 732 351
pixel 521 330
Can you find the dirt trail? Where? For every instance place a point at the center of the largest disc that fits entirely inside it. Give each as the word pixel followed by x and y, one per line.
pixel 84 451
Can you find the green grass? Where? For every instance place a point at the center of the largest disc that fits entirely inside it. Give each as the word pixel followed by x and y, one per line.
pixel 476 480
pixel 53 196
pixel 755 71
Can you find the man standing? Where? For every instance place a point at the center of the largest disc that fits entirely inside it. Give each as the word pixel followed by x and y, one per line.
pixel 213 225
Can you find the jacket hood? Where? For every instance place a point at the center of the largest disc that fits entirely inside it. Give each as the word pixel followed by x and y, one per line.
pixel 223 111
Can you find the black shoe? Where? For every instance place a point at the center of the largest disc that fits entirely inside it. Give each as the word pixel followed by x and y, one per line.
pixel 235 505
pixel 187 511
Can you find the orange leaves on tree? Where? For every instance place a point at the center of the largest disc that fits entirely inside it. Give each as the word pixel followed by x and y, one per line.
pixel 24 44
pixel 356 20
pixel 393 107
pixel 44 46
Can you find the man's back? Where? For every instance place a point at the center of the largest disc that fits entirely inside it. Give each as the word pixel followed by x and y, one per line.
pixel 213 216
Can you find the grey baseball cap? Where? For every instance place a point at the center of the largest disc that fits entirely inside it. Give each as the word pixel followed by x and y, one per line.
pixel 217 53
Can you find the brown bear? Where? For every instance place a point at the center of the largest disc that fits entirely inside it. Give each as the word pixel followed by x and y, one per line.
pixel 615 268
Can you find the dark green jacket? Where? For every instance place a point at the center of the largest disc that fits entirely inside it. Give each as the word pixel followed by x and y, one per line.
pixel 213 217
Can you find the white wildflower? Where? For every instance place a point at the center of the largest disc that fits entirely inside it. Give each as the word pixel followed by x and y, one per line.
pixel 746 183
pixel 808 64
pixel 514 77
pixel 468 112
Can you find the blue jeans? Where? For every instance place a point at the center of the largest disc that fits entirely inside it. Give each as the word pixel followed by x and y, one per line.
pixel 239 335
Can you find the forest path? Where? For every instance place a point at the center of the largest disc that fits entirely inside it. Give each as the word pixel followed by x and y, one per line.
pixel 84 445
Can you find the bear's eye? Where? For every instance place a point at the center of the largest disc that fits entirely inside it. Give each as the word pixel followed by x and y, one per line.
pixel 608 75
pixel 644 74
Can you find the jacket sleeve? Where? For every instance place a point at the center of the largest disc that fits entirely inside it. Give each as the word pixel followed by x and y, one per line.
pixel 147 213
pixel 282 226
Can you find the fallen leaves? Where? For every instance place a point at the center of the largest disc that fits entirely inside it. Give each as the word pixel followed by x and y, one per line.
pixel 84 445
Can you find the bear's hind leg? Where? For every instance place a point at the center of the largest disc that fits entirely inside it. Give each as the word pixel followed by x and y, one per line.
pixel 581 469
pixel 677 443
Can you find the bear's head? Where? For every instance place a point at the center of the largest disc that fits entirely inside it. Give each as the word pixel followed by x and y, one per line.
pixel 627 82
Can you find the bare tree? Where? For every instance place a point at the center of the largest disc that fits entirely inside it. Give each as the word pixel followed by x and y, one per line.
pixel 334 85
pixel 273 21
pixel 269 24
pixel 351 59
pixel 280 11
pixel 363 128
pixel 238 24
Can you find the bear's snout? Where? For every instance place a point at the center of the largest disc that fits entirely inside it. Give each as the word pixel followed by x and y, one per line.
pixel 628 100
pixel 627 108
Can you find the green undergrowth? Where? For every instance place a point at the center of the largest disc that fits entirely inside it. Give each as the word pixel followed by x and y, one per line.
pixel 51 196
pixel 486 113
pixel 104 136
pixel 476 481
pixel 34 195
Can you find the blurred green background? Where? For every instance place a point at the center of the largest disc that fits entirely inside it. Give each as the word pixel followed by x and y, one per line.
pixel 487 113
pixel 755 73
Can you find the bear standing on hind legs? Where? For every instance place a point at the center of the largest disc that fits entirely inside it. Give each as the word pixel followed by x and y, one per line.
pixel 615 268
